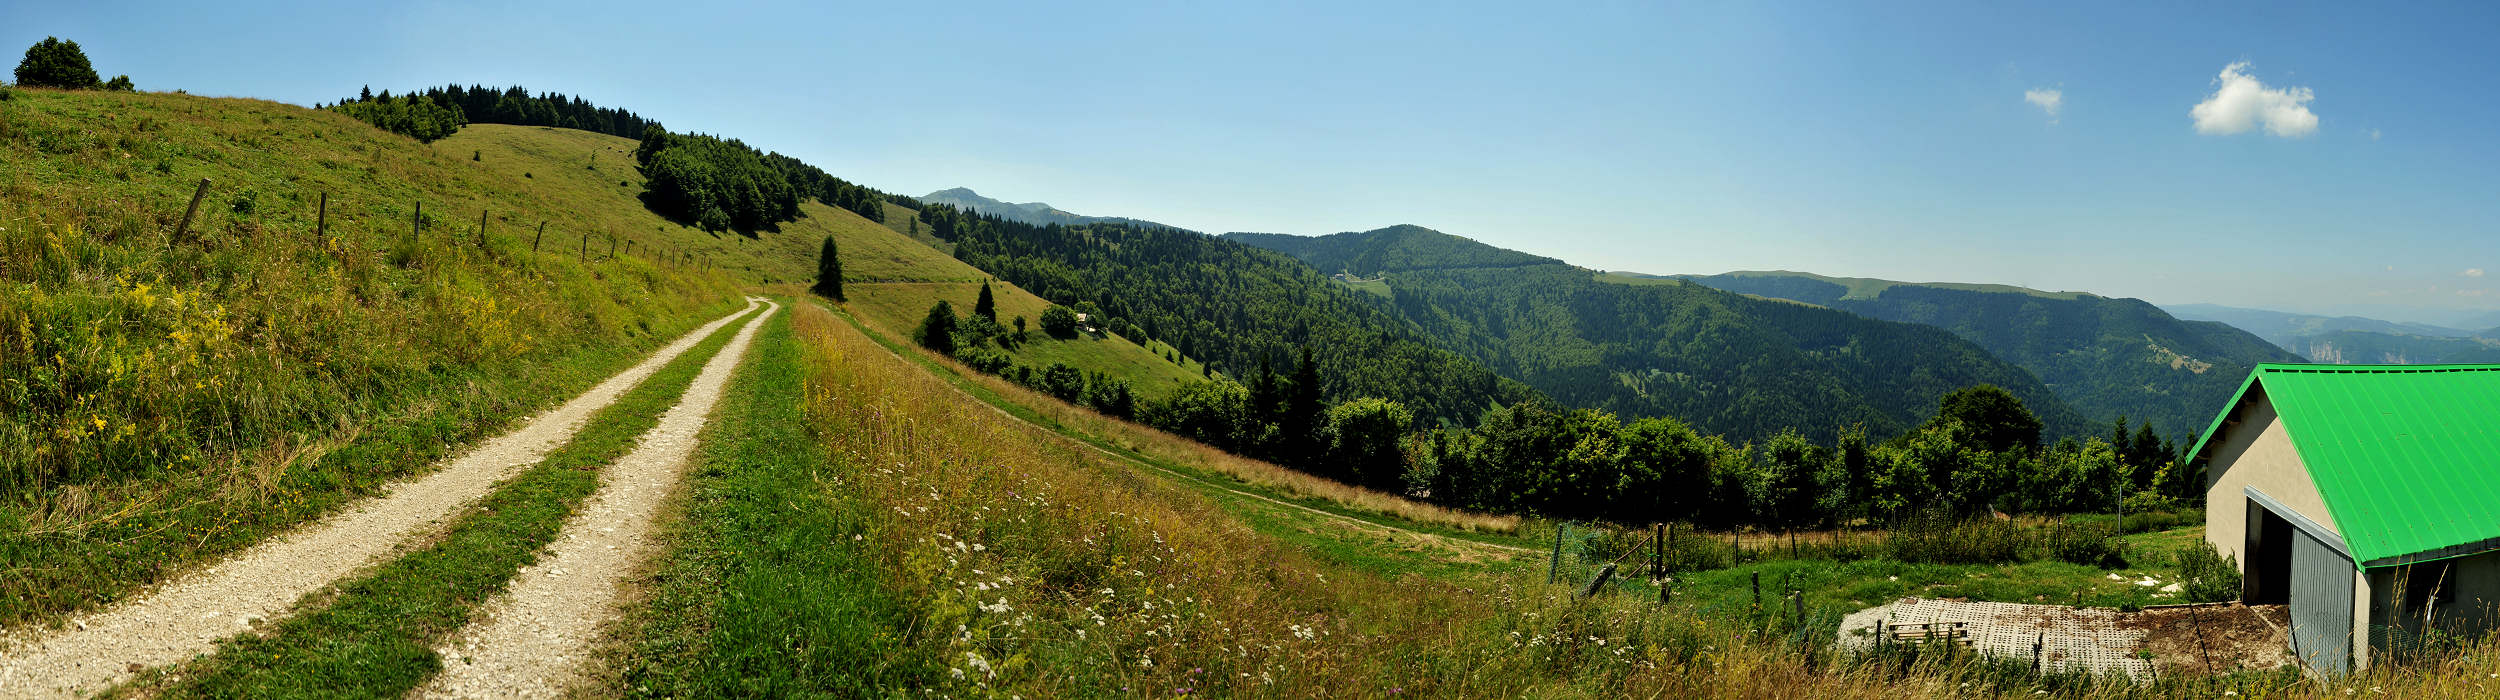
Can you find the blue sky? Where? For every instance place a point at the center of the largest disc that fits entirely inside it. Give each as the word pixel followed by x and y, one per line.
pixel 2346 165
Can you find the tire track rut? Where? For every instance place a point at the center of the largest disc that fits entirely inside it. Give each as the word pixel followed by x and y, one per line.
pixel 188 615
pixel 532 639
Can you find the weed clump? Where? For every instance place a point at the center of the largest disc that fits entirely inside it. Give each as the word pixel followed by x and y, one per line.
pixel 2208 576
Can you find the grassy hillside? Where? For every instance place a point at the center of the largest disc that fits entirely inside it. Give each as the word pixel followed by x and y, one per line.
pixel 1743 367
pixel 175 397
pixel 892 276
pixel 893 279
pixel 2106 357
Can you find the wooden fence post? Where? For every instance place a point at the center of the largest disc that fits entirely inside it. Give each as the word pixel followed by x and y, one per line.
pixel 185 226
pixel 611 247
pixel 1658 552
pixel 585 254
pixel 542 235
pixel 481 229
pixel 1600 581
pixel 1553 566
pixel 416 222
pixel 321 221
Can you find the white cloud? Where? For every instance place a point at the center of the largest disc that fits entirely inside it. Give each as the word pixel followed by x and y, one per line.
pixel 2472 272
pixel 2374 134
pixel 2240 103
pixel 2048 100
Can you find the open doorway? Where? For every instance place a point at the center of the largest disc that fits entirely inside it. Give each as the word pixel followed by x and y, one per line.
pixel 2269 567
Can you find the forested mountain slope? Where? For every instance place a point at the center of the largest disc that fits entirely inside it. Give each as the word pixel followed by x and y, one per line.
pixel 1232 306
pixel 1744 367
pixel 2105 357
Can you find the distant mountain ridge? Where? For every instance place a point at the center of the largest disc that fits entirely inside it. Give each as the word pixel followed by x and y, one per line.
pixel 2105 356
pixel 1730 364
pixel 1035 213
pixel 2297 332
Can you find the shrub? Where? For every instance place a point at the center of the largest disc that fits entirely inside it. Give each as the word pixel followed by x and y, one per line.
pixel 986 360
pixel 1059 322
pixel 4 93
pixel 57 64
pixel 2083 544
pixel 2208 575
pixel 121 83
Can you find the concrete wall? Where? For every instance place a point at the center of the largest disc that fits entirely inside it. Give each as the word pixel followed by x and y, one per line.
pixel 2476 610
pixel 2257 451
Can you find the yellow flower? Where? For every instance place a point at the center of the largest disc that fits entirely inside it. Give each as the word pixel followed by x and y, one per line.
pixel 99 422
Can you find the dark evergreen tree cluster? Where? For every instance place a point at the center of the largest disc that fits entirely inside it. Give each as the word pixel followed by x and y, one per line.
pixel 722 184
pixel 716 184
pixel 1227 304
pixel 811 181
pixel 415 116
pixel 515 105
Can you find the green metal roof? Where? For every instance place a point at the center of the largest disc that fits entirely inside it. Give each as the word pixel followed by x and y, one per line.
pixel 2406 456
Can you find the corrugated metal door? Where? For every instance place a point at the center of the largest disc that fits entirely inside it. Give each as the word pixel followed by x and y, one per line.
pixel 2321 605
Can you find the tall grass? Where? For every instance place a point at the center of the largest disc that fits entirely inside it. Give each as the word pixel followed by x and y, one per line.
pixel 170 397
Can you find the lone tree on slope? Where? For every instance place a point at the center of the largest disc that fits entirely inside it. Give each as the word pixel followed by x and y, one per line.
pixel 829 272
pixel 984 306
pixel 54 63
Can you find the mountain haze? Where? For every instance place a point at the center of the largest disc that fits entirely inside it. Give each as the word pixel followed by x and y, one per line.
pixel 1741 366
pixel 2294 331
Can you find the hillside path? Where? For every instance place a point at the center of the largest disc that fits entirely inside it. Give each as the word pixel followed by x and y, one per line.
pixel 532 639
pixel 187 616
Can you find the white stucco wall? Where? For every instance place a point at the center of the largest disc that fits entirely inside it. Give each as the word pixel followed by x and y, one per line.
pixel 2256 451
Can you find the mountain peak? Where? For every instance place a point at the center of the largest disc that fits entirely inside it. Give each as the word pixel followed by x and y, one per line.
pixel 1035 213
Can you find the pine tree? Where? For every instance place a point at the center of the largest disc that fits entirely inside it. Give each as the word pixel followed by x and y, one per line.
pixel 1301 417
pixel 984 306
pixel 829 273
pixel 937 331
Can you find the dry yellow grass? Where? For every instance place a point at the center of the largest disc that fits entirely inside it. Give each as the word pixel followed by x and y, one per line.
pixel 1196 455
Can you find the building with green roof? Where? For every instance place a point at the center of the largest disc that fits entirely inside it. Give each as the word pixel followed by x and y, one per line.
pixel 2367 497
